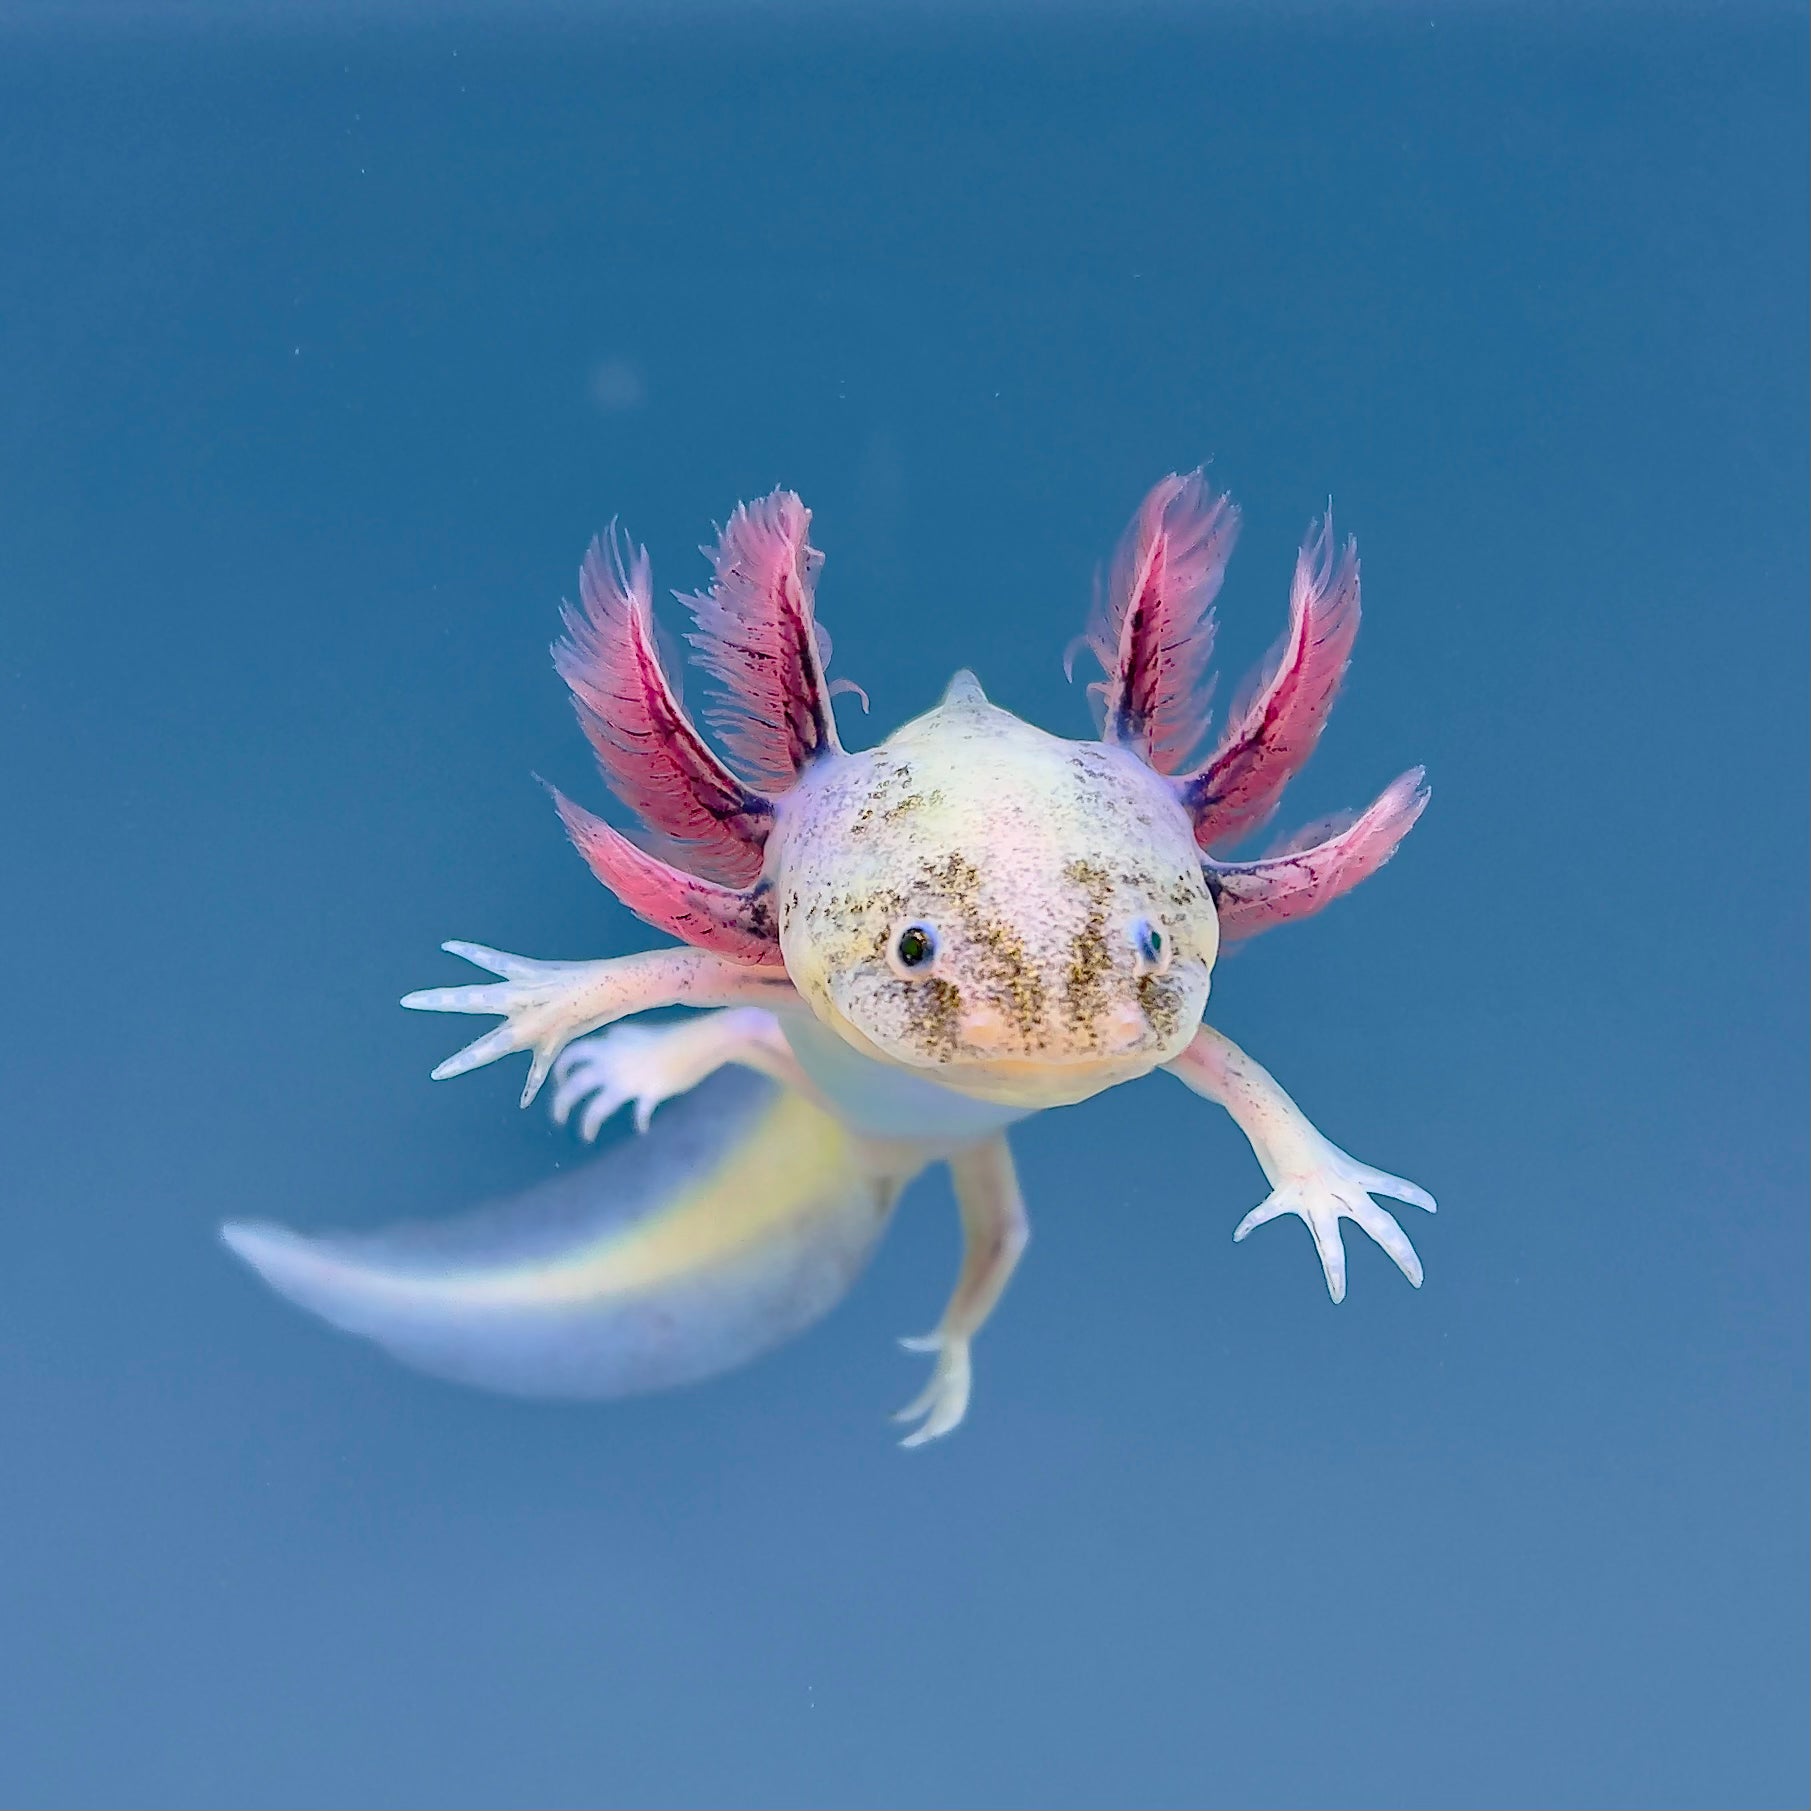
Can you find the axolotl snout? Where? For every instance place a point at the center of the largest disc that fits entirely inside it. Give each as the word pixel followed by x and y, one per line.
pixel 912 946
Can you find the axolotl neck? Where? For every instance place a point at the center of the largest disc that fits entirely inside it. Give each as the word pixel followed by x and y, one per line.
pixel 1021 918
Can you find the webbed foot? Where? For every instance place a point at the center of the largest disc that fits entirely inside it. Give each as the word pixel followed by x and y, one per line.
pixel 939 1407
pixel 1340 1188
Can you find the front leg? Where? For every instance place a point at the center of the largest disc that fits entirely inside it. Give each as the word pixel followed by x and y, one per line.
pixel 647 1064
pixel 994 1234
pixel 1308 1175
pixel 547 1004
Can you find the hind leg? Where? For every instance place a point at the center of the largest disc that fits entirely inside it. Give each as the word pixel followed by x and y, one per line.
pixel 994 1234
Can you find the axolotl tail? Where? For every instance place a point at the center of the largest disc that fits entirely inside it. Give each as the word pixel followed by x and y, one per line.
pixel 738 1220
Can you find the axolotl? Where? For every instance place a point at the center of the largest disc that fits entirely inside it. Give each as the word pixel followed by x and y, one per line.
pixel 913 947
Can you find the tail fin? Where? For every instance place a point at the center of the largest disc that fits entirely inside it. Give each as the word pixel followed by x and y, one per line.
pixel 739 1219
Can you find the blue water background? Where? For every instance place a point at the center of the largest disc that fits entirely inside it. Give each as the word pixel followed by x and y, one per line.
pixel 324 348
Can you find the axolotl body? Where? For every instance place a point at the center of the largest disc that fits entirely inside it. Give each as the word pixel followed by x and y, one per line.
pixel 913 947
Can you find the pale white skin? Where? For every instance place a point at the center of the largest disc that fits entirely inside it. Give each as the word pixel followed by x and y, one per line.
pixel 1037 869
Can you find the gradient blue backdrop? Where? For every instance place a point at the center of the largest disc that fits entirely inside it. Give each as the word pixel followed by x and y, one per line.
pixel 324 349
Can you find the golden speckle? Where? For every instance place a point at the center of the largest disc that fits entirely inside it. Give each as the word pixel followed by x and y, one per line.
pixel 934 1011
pixel 1090 960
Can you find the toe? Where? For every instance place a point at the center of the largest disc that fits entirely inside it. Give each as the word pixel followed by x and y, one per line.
pixel 921 1404
pixel 496 962
pixel 571 1083
pixel 477 1053
pixel 1280 1203
pixel 538 1067
pixel 603 1104
pixel 945 1403
pixel 1325 1227
pixel 490 998
pixel 1382 1227
pixel 1398 1188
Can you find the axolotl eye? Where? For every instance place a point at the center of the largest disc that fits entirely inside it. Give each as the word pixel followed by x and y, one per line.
pixel 913 950
pixel 1150 947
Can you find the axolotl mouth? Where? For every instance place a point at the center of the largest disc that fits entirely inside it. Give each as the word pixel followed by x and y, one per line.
pixel 1044 1082
pixel 874 1085
pixel 978 1050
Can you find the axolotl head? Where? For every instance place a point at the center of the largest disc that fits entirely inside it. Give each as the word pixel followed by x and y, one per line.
pixel 1023 915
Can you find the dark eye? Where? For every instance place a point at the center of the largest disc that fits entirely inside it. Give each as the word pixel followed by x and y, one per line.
pixel 915 948
pixel 1150 947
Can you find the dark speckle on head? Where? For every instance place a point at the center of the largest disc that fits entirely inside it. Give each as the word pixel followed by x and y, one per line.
pixel 1162 998
pixel 913 801
pixel 935 1012
pixel 1090 961
pixel 1002 975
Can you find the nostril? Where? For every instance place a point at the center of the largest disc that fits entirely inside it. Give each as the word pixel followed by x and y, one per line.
pixel 985 1028
pixel 1125 1027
